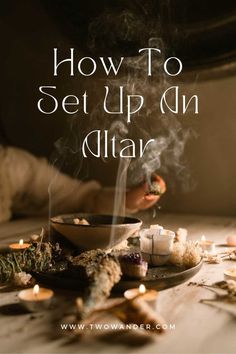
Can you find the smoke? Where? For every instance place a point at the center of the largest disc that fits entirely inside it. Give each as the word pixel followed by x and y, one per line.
pixel 114 29
pixel 165 154
pixel 108 33
pixel 66 158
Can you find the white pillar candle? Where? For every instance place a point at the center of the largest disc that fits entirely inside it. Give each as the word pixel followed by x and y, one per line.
pixel 156 227
pixel 163 243
pixel 156 245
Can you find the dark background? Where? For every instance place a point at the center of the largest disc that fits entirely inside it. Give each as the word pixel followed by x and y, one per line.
pixel 31 29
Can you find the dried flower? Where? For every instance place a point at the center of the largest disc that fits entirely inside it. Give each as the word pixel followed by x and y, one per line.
pixel 177 254
pixel 186 254
pixel 22 279
pixel 192 254
pixel 35 238
pixel 212 258
pixel 230 255
pixel 230 287
pixel 82 221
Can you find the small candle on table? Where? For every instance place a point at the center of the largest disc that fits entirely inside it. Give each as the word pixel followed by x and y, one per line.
pixel 230 273
pixel 36 299
pixel 20 246
pixel 150 296
pixel 207 245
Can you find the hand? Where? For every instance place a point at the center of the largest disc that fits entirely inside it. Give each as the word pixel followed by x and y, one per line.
pixel 138 198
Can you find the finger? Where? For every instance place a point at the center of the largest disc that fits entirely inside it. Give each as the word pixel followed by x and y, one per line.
pixel 146 204
pixel 151 197
pixel 148 201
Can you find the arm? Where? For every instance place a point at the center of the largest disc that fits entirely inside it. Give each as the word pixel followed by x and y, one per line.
pixel 34 186
pixel 30 186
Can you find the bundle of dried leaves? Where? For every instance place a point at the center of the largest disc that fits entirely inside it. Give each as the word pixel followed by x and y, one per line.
pixel 39 257
pixel 102 271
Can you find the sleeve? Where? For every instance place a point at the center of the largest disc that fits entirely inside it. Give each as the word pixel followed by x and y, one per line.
pixel 30 186
pixel 6 193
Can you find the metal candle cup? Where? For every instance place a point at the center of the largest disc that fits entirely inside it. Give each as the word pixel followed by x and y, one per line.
pixel 207 245
pixel 230 274
pixel 36 299
pixel 20 246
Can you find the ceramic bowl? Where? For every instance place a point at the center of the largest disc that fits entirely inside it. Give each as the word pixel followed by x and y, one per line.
pixel 103 231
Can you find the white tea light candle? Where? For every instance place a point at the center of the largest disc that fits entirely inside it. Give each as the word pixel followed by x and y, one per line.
pixel 150 296
pixel 36 299
pixel 20 246
pixel 207 245
pixel 230 273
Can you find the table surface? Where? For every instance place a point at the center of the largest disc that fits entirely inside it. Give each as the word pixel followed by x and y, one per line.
pixel 199 328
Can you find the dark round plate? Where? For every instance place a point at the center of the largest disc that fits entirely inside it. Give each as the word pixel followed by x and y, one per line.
pixel 158 278
pixel 161 278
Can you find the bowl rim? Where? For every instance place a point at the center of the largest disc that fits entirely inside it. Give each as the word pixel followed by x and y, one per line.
pixel 136 222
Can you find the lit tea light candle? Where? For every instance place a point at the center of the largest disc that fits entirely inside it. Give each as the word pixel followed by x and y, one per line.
pixel 150 296
pixel 20 246
pixel 207 245
pixel 230 273
pixel 36 299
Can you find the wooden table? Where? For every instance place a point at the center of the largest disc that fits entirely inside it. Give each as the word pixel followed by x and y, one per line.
pixel 199 328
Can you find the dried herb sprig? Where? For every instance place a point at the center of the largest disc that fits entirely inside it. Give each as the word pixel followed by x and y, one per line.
pixel 219 257
pixel 40 256
pixel 225 296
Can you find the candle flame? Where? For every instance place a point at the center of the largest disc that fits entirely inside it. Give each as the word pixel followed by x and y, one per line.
pixel 203 238
pixel 21 242
pixel 142 289
pixel 36 289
